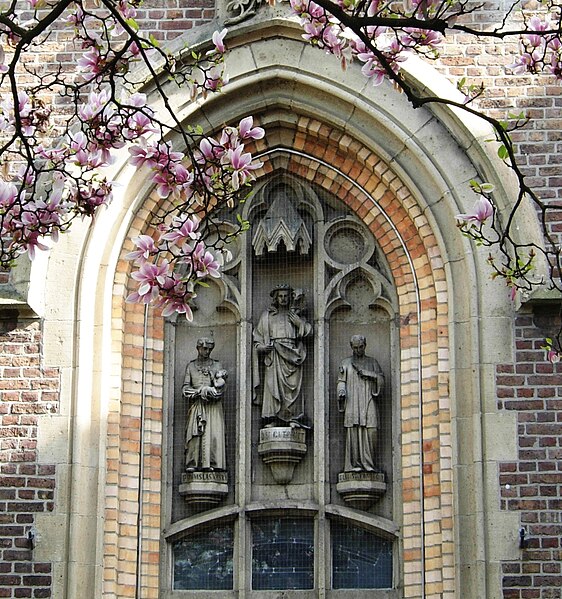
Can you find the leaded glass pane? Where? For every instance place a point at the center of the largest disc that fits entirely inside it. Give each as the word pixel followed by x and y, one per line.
pixel 360 559
pixel 204 560
pixel 282 554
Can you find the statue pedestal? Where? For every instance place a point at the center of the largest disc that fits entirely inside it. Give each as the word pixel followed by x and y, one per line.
pixel 282 448
pixel 204 489
pixel 361 489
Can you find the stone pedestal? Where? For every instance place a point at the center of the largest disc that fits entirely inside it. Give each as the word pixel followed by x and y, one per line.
pixel 204 489
pixel 282 448
pixel 361 489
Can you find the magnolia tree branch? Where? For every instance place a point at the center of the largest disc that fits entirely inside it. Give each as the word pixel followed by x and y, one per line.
pixel 382 34
pixel 53 162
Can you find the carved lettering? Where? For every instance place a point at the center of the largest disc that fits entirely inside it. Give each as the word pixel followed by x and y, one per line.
pixel 214 477
pixel 282 434
pixel 360 476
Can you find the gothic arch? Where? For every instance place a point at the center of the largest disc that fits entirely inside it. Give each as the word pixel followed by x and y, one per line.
pixel 404 175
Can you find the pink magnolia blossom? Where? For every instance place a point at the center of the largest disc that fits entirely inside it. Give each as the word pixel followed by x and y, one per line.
pixel 481 212
pixel 32 243
pixel 522 64
pixel 212 150
pixel 143 154
pixel 97 101
pixel 76 17
pixel 145 248
pixel 242 166
pixel 127 9
pixel 26 175
pixel 90 195
pixel 248 131
pixel 218 40
pixel 139 124
pixel 91 64
pixel 150 276
pixel 183 228
pixel 174 296
pixel 8 194
pixel 204 262
pixel 177 304
pixel 85 153
pixel 374 71
pixel 172 179
pixel 215 79
pixel 538 25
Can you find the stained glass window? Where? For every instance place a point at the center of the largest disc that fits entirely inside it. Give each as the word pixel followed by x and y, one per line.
pixel 282 553
pixel 360 559
pixel 203 561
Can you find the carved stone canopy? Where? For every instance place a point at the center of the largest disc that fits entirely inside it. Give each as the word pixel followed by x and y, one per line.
pixel 281 223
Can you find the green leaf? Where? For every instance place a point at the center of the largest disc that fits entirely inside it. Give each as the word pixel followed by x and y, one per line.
pixel 503 153
pixel 132 24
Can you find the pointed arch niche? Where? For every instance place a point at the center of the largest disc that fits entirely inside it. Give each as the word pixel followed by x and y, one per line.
pixel 373 268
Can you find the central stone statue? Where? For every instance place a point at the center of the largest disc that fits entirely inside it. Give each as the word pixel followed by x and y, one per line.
pixel 279 353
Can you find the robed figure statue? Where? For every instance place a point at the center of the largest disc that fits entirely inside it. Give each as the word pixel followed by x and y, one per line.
pixel 204 386
pixel 279 353
pixel 360 384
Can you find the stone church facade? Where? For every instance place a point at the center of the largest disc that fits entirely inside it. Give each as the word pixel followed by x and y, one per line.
pixel 118 480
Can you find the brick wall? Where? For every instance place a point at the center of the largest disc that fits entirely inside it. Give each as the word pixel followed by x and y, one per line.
pixel 27 487
pixel 532 485
pixel 539 144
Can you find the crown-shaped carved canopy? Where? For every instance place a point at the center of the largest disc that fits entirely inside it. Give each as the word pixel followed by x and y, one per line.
pixel 281 223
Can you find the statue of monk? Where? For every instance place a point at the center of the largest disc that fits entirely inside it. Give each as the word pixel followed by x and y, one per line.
pixel 360 384
pixel 280 351
pixel 204 386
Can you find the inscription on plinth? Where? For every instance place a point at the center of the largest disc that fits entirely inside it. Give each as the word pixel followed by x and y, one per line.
pixel 204 489
pixel 282 433
pixel 215 477
pixel 361 476
pixel 282 448
pixel 361 489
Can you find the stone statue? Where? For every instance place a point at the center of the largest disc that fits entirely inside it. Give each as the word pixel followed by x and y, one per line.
pixel 360 384
pixel 279 348
pixel 204 386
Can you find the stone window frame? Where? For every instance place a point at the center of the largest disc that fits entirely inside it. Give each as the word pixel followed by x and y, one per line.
pixel 241 521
